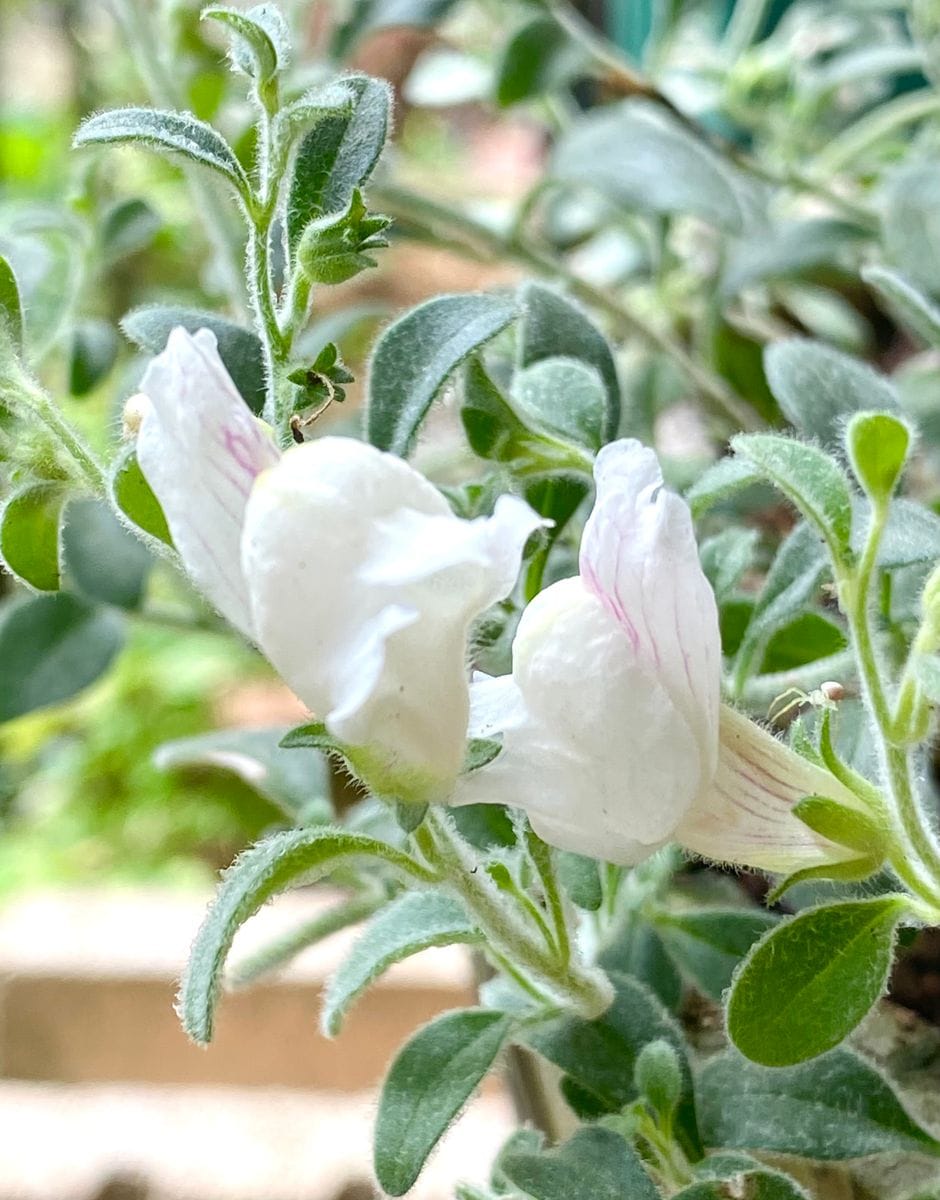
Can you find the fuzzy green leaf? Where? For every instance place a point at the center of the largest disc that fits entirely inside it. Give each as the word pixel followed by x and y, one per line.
pixel 270 867
pixel 29 535
pixel 836 1107
pixel 594 1159
pixel 430 1081
pixel 410 924
pixel 133 495
pixel 414 357
pixel 878 445
pixel 103 559
pixel 806 986
pixel 11 310
pixel 708 944
pixel 173 133
pixel 908 303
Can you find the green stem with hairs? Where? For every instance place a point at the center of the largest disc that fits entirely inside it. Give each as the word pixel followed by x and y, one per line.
pixel 512 938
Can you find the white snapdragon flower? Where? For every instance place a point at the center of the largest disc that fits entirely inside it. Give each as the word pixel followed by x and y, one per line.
pixel 343 564
pixel 614 738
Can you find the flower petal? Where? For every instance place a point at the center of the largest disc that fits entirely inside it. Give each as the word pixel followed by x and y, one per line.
pixel 745 817
pixel 602 761
pixel 201 449
pixel 639 557
pixel 363 587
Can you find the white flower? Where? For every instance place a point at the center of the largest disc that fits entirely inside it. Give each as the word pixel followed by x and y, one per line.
pixel 342 563
pixel 614 738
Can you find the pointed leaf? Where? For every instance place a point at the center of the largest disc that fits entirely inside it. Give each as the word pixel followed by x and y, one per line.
pixel 133 495
pixel 11 310
pixel 174 133
pixel 270 867
pixel 414 357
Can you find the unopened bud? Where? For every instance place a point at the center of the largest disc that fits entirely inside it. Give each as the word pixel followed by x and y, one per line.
pixel 658 1076
pixel 135 410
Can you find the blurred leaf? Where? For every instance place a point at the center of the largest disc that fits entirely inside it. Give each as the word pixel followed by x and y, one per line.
pixel 637 950
pixel 708 944
pixel 539 58
pixel 645 160
pixel 94 350
pixel 912 308
pixel 29 535
pixel 295 781
pixel 368 16
pixel 11 312
pixel 174 133
pixel 792 249
pixel 126 228
pixel 338 154
pixel 740 359
pixel 911 535
pixel 565 398
pixel 910 201
pixel 820 388
pixel 809 637
pixel 411 923
pixel 105 561
pixel 240 349
pixel 51 648
pixel 717 482
pixel 580 877
pixel 430 1081
pixel 725 558
pixel 414 357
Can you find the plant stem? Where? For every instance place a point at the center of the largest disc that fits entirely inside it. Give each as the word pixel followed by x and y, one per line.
pixel 541 856
pixel 143 42
pixel 584 990
pixel 433 218
pixel 916 859
pixel 24 396
pixel 870 129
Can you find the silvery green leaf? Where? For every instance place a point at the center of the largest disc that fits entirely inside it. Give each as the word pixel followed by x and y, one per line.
pixel 174 133
pixel 644 159
pixel 908 303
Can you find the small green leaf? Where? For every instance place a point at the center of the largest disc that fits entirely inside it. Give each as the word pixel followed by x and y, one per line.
pixel 595 1160
pixel 553 326
pixel 51 648
pixel 414 357
pixel 539 58
pixel 805 987
pixel 133 495
pixel 908 303
pixel 564 398
pixel 270 867
pixel 240 349
pixel 911 535
pixel 429 1082
pixel 11 310
pixel 493 429
pixel 835 1107
pixel 809 478
pixel 174 133
pixel 788 250
pixel 877 445
pixel 261 39
pixel 659 1077
pixel 93 353
pixel 708 944
pixel 819 387
pixel 479 752
pixel 29 535
pixel 725 557
pixel 410 924
pixel 636 949
pixel 296 783
pixel 338 153
pixel 104 560
pixel 807 638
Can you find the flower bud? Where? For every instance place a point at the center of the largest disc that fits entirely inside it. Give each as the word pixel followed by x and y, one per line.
pixel 658 1077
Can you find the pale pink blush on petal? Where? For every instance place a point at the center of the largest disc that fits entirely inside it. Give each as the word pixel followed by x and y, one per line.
pixel 201 449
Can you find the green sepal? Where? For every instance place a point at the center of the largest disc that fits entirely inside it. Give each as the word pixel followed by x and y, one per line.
pixel 336 246
pixel 843 825
pixel 323 381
